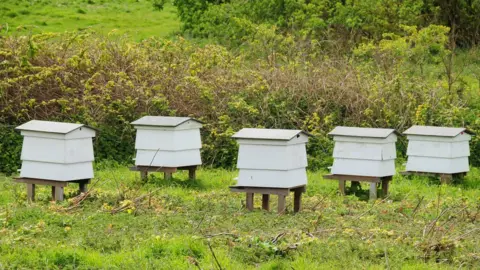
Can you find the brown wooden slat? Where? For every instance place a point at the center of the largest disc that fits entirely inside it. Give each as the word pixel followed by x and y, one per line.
pixel 41 182
pixel 358 178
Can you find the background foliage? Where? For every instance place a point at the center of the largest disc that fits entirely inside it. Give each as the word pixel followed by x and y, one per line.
pixel 108 82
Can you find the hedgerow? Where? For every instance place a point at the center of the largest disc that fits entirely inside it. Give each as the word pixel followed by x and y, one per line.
pixel 107 82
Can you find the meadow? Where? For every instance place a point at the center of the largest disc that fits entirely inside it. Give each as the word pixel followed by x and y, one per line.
pixel 138 19
pixel 124 223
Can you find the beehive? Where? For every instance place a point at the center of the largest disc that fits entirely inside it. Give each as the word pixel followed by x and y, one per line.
pixel 167 141
pixel 438 149
pixel 272 157
pixel 364 151
pixel 56 151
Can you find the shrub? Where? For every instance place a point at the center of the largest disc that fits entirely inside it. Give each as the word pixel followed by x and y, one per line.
pixel 109 82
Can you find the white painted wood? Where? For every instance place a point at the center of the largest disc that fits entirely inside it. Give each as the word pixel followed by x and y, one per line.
pixel 273 157
pixel 57 171
pixel 361 150
pixel 438 149
pixel 168 139
pixel 160 158
pixel 459 138
pixel 375 168
pixel 272 178
pixel 437 165
pixel 364 151
pixel 57 151
pixel 389 139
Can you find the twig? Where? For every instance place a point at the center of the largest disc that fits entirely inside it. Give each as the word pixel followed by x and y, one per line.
pixel 416 208
pixel 276 238
pixel 220 234
pixel 214 257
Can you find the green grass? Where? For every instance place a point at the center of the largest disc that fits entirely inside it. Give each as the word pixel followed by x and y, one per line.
pixel 138 19
pixel 178 224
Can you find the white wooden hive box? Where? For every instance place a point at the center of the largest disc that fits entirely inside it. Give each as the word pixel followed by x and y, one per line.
pixel 57 151
pixel 364 151
pixel 271 157
pixel 164 141
pixel 438 149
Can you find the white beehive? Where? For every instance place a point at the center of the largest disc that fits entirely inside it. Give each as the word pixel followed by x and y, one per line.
pixel 56 151
pixel 438 149
pixel 164 141
pixel 272 157
pixel 364 151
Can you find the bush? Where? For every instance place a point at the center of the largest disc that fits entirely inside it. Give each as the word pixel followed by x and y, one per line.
pixel 109 82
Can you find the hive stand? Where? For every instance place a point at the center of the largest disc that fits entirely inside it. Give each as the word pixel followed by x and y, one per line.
pixel 167 171
pixel 267 191
pixel 57 187
pixel 357 178
pixel 445 178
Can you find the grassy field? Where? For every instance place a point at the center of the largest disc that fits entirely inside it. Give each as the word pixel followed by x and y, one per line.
pixel 138 18
pixel 180 224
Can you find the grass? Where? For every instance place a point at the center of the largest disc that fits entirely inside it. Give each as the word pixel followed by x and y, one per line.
pixel 183 224
pixel 137 18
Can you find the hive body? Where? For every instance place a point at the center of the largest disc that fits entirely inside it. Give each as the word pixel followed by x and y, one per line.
pixel 272 158
pixel 364 151
pixel 438 149
pixel 57 151
pixel 167 141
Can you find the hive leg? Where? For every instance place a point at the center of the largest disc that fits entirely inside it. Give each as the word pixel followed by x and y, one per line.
pixel 355 185
pixel 297 200
pixel 445 178
pixel 249 201
pixel 59 193
pixel 373 191
pixel 144 175
pixel 82 187
pixel 385 183
pixel 281 204
pixel 266 202
pixel 53 193
pixel 167 175
pixel 192 173
pixel 31 192
pixel 341 186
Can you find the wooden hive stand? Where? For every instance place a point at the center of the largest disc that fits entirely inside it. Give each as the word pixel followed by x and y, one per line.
pixel 167 171
pixel 57 187
pixel 374 181
pixel 445 178
pixel 266 192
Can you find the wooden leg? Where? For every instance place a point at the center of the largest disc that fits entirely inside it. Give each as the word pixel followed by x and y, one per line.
pixel 250 201
pixel 266 202
pixel 192 173
pixel 31 192
pixel 297 200
pixel 341 186
pixel 385 187
pixel 144 175
pixel 354 186
pixel 373 191
pixel 281 204
pixel 167 175
pixel 59 193
pixel 82 187
pixel 445 178
pixel 53 193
